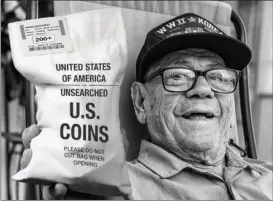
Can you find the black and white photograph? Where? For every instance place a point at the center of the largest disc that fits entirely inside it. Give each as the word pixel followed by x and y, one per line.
pixel 136 100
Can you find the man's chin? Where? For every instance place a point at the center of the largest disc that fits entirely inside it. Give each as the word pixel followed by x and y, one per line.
pixel 198 141
pixel 205 153
pixel 198 146
pixel 200 153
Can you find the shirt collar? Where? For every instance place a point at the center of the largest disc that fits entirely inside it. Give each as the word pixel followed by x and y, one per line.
pixel 159 160
pixel 166 164
pixel 235 160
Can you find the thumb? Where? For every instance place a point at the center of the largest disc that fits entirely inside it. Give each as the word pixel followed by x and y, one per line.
pixel 54 192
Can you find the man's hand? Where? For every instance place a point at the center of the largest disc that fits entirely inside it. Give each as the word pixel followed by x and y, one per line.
pixel 53 192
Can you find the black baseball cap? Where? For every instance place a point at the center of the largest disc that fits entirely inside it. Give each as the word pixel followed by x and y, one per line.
pixel 190 31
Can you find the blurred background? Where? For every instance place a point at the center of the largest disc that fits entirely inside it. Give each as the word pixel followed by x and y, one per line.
pixel 257 16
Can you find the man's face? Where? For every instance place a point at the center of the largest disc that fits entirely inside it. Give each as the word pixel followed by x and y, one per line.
pixel 192 123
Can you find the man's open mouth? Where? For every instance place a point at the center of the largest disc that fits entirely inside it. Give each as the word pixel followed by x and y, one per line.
pixel 198 115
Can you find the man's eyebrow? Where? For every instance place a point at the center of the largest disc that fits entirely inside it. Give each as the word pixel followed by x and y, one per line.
pixel 212 61
pixel 180 61
pixel 216 63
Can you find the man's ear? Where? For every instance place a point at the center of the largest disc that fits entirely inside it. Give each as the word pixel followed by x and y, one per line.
pixel 139 96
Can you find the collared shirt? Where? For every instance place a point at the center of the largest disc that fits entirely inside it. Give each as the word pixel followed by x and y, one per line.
pixel 158 174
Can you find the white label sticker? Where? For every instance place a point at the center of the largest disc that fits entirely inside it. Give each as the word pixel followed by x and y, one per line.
pixel 45 36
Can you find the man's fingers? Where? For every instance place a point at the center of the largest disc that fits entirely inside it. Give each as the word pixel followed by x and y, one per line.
pixel 30 133
pixel 25 159
pixel 54 192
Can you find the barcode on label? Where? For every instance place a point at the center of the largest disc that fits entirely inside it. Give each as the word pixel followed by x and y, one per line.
pixel 46 47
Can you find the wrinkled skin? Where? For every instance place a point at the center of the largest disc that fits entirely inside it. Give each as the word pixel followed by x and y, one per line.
pixel 196 142
pixel 200 142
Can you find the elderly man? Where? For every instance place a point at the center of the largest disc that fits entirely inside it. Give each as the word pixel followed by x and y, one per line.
pixel 186 76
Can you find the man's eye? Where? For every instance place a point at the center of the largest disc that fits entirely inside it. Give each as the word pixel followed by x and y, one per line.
pixel 179 76
pixel 177 79
pixel 219 79
pixel 215 78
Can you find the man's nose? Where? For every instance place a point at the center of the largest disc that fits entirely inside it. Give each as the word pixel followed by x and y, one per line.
pixel 201 89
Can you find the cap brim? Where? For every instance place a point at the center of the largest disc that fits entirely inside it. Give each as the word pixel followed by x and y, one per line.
pixel 235 54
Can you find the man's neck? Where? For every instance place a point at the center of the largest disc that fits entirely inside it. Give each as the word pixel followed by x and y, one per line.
pixel 212 160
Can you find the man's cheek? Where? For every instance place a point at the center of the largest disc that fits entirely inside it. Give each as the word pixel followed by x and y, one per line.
pixel 168 117
pixel 164 112
pixel 154 108
pixel 156 100
pixel 227 105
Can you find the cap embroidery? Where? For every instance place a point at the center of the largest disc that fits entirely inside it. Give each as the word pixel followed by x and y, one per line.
pixel 187 24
